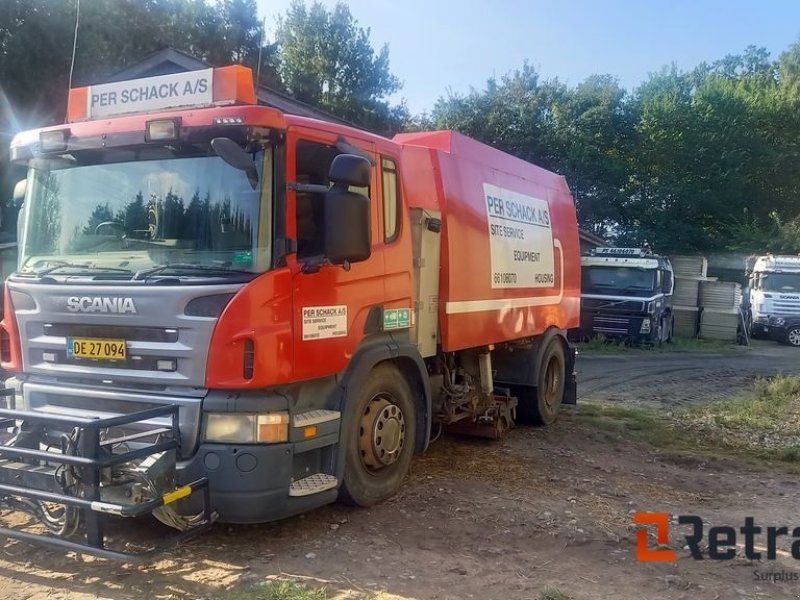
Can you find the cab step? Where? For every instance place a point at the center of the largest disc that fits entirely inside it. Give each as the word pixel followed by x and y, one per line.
pixel 315 417
pixel 313 484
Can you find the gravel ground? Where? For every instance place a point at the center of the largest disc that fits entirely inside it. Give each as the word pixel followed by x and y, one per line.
pixel 484 520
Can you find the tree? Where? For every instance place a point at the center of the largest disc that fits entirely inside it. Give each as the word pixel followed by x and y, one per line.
pixel 327 60
pixel 101 214
pixel 582 133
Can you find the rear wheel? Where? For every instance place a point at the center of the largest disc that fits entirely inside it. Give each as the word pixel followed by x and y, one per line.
pixel 793 336
pixel 380 441
pixel 540 406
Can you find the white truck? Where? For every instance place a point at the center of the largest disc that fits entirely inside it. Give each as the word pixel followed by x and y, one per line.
pixel 774 292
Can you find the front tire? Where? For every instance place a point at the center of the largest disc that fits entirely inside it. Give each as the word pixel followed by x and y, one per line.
pixel 793 337
pixel 381 439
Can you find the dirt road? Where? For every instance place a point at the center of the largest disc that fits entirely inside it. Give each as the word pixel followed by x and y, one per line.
pixel 667 378
pixel 489 520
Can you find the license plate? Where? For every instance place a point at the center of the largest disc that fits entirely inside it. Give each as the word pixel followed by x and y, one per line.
pixel 99 348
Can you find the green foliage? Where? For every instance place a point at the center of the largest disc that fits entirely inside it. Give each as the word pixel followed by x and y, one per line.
pixel 327 60
pixel 760 425
pixel 701 160
pixel 277 590
pixel 553 594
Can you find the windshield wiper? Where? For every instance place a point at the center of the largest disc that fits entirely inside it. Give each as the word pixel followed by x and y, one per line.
pixel 145 273
pixel 54 268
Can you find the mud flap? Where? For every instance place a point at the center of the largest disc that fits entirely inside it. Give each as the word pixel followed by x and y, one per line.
pixel 571 383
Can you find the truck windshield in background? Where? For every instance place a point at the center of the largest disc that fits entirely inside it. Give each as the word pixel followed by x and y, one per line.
pixel 629 281
pixel 139 214
pixel 779 282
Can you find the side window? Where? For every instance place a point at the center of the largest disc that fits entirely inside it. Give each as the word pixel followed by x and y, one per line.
pixel 391 205
pixel 313 165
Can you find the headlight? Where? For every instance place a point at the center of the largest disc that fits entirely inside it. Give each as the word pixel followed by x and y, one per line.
pixel 651 307
pixel 779 321
pixel 247 428
pixel 645 328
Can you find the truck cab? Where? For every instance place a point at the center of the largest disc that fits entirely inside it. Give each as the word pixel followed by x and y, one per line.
pixel 626 294
pixel 774 292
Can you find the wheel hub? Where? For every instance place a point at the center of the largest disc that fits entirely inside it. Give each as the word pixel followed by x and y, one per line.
pixel 552 382
pixel 794 337
pixel 382 433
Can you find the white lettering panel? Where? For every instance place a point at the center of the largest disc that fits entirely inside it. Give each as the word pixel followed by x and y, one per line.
pixel 151 94
pixel 520 239
pixel 320 322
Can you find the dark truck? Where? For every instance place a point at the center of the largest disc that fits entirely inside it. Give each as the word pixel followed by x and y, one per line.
pixel 626 294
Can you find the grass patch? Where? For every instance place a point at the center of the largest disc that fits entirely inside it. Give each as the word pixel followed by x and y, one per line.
pixel 553 594
pixel 601 345
pixel 761 425
pixel 276 590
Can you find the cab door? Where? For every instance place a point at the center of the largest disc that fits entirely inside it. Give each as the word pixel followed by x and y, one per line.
pixel 330 303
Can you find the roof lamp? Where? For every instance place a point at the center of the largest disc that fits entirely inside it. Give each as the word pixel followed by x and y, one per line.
pixel 54 140
pixel 163 130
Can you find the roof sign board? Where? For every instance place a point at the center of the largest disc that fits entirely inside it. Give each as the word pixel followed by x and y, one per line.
pixel 620 252
pixel 206 87
pixel 619 261
pixel 150 94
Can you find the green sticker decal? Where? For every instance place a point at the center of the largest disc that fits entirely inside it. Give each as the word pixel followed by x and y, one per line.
pixel 243 258
pixel 390 319
pixel 396 318
pixel 404 317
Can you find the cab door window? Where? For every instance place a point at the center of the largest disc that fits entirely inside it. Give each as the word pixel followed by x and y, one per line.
pixel 313 163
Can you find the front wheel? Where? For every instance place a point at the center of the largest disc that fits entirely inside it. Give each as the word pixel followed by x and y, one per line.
pixel 793 337
pixel 380 440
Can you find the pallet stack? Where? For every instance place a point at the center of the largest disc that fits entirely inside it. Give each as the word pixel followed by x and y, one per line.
pixel 720 302
pixel 689 272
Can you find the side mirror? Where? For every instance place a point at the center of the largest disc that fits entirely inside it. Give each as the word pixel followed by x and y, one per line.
pixel 348 235
pixel 19 191
pixel 233 154
pixel 350 170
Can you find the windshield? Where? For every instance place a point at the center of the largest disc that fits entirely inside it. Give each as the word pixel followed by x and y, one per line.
pixel 630 281
pixel 780 282
pixel 128 216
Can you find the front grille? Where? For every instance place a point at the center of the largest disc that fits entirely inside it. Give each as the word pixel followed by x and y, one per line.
pixel 129 334
pixel 786 308
pixel 610 325
pixel 613 305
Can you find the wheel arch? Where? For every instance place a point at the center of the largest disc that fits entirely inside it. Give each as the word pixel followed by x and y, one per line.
pixel 404 356
pixel 521 368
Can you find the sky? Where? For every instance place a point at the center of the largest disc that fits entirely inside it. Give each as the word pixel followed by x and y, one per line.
pixel 442 46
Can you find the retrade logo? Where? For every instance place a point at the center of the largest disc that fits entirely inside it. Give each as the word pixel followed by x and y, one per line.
pixel 643 550
pixel 89 304
pixel 721 541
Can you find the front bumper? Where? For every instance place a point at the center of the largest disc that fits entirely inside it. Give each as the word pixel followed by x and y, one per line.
pixel 248 483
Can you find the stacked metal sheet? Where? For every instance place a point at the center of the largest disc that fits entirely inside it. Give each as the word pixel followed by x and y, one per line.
pixel 690 266
pixel 686 292
pixel 720 302
pixel 685 321
pixel 689 272
pixel 720 295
